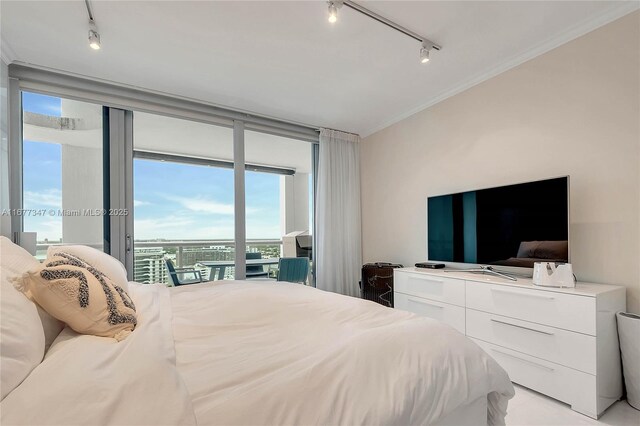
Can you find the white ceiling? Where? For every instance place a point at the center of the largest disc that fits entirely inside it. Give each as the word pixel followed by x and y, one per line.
pixel 284 60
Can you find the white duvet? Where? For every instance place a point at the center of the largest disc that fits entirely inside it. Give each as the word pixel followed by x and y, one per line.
pixel 248 353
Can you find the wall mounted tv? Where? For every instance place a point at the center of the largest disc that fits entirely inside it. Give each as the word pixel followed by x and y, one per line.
pixel 514 225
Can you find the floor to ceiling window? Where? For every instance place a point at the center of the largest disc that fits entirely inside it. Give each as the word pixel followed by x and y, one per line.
pixel 279 200
pixel 62 151
pixel 183 199
pixel 188 211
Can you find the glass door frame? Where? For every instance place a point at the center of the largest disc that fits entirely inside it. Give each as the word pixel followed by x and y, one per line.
pixel 120 187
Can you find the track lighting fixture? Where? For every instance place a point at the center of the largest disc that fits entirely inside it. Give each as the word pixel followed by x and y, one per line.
pixel 333 10
pixel 424 53
pixel 427 45
pixel 94 36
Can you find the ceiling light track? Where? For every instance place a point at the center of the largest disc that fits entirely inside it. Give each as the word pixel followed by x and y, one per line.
pixel 89 11
pixel 426 45
pixel 371 14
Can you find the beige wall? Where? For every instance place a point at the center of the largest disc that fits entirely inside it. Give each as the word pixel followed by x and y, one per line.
pixel 572 111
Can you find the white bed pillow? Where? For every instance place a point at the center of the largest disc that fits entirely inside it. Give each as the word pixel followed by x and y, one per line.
pixel 22 338
pixel 108 265
pixel 15 261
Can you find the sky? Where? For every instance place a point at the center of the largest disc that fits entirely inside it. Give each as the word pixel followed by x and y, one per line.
pixel 42 174
pixel 171 201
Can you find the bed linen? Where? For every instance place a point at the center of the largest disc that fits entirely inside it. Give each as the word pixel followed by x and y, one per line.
pixel 91 380
pixel 259 353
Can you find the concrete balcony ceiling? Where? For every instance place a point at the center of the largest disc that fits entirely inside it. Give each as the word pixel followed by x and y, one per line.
pixel 80 124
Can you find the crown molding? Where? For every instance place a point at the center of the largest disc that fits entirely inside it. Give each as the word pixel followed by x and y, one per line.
pixel 7 54
pixel 570 34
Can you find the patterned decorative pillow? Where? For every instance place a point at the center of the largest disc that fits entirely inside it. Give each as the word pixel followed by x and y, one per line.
pixel 108 265
pixel 78 294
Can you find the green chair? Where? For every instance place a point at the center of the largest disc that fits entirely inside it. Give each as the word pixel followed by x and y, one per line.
pixel 293 269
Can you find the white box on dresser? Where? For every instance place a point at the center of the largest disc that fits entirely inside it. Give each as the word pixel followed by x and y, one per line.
pixel 561 342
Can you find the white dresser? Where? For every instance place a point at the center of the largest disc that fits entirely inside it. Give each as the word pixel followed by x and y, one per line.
pixel 560 342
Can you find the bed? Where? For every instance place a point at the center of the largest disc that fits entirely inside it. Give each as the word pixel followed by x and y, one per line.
pixel 247 352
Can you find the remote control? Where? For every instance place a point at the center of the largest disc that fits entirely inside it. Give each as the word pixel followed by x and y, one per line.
pixel 430 265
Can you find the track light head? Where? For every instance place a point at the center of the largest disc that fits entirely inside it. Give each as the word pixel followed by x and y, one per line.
pixel 333 10
pixel 424 53
pixel 94 40
pixel 94 36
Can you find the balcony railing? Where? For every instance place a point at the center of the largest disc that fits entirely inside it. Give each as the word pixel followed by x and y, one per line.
pixel 149 264
pixel 179 246
pixel 202 243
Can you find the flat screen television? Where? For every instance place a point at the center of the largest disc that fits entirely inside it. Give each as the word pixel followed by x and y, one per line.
pixel 508 226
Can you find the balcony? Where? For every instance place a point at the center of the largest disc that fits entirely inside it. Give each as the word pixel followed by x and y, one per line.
pixel 149 266
pixel 149 256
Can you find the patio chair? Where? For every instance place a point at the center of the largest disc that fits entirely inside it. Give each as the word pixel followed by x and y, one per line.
pixel 293 269
pixel 177 275
pixel 255 271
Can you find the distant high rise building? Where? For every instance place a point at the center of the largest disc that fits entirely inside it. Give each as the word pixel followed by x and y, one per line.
pixel 149 266
pixel 189 256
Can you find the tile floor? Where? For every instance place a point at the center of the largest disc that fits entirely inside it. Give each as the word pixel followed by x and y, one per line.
pixel 529 408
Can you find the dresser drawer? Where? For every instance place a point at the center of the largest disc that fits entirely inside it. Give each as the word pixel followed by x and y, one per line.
pixel 574 350
pixel 444 312
pixel 430 287
pixel 565 384
pixel 570 312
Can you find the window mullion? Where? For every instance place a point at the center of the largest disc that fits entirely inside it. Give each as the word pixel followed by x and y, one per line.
pixel 240 218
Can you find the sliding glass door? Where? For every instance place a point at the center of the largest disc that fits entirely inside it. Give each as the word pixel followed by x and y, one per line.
pixel 279 200
pixel 183 200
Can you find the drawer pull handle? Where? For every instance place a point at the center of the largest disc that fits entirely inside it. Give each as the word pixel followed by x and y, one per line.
pixel 524 360
pixel 522 326
pixel 424 302
pixel 423 281
pixel 516 293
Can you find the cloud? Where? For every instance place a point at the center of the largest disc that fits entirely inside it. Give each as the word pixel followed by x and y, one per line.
pixel 170 227
pixel 263 231
pixel 220 232
pixel 51 198
pixel 203 205
pixel 162 223
pixel 44 226
pixel 138 203
pixel 182 228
